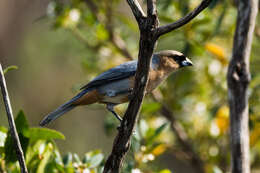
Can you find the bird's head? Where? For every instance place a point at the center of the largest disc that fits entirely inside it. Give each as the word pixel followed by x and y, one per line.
pixel 173 60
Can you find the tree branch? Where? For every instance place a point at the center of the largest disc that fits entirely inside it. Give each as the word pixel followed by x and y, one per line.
pixel 151 8
pixel 181 135
pixel 137 10
pixel 148 27
pixel 238 78
pixel 183 139
pixel 179 23
pixel 122 141
pixel 176 127
pixel 116 40
pixel 147 42
pixel 17 145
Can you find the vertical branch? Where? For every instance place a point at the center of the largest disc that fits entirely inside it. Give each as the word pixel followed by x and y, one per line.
pixel 238 78
pixel 196 162
pixel 18 148
pixel 149 33
pixel 151 7
pixel 147 26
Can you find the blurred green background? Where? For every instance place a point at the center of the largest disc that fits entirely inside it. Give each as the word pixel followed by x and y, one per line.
pixel 61 45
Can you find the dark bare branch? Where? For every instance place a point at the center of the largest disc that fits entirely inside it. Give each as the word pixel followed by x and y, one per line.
pixel 179 23
pixel 151 8
pixel 137 10
pixel 122 141
pixel 238 78
pixel 148 27
pixel 9 112
pixel 146 47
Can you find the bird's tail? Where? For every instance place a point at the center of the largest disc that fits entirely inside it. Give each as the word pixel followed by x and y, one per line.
pixel 62 109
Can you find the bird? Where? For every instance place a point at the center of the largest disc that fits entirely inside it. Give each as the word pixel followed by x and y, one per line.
pixel 115 86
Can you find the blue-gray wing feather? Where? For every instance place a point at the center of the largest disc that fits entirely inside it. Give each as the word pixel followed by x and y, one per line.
pixel 122 71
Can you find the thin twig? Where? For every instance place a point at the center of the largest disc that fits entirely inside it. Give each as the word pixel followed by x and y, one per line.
pixel 114 38
pixel 179 23
pixel 137 10
pixel 14 134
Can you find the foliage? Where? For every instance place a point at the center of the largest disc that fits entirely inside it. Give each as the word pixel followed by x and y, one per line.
pixel 200 94
pixel 42 154
pixel 197 96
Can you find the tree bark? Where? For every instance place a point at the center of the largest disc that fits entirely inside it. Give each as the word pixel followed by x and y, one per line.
pixel 238 78
pixel 149 33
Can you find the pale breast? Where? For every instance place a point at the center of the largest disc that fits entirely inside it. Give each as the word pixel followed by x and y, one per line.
pixel 155 78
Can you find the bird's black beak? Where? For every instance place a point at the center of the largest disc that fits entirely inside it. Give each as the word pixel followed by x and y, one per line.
pixel 186 62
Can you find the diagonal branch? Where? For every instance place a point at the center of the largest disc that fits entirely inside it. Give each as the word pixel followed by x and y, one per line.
pixel 151 7
pixel 147 43
pixel 179 23
pixel 114 38
pixel 9 112
pixel 181 135
pixel 137 10
pixel 148 27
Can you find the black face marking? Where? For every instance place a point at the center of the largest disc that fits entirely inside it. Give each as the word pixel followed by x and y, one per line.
pixel 178 58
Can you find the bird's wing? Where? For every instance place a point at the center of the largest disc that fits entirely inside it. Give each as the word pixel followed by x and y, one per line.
pixel 122 71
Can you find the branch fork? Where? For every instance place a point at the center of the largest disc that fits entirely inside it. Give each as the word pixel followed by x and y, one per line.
pixel 149 34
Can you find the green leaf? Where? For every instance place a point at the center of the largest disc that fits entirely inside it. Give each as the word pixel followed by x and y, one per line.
pixel 33 152
pixel 101 32
pixel 9 68
pixel 165 171
pixel 156 133
pixel 96 160
pixel 159 130
pixel 67 159
pixel 77 159
pixel 3 129
pixel 93 158
pixel 21 123
pixel 22 129
pixel 150 107
pixel 46 157
pixel 10 147
pixel 44 133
